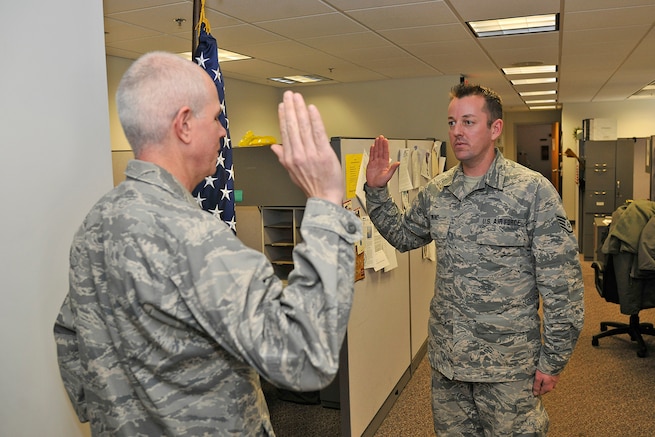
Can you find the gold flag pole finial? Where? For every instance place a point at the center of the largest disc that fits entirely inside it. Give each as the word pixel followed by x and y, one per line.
pixel 203 19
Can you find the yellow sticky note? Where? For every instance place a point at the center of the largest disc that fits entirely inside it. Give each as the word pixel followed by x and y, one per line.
pixel 353 162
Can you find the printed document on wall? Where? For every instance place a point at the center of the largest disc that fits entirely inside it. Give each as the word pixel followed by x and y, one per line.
pixel 404 170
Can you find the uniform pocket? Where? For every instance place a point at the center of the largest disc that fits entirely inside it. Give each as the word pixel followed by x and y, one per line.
pixel 513 341
pixel 439 228
pixel 502 253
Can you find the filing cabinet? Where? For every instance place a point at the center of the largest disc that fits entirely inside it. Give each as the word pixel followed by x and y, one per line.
pixel 610 171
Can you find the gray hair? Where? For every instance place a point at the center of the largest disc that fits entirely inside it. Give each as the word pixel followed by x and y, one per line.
pixel 152 91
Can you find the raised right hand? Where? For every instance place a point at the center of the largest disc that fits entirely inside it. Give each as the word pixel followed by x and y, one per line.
pixel 379 170
pixel 306 152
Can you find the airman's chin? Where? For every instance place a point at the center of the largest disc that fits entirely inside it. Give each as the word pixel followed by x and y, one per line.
pixel 460 151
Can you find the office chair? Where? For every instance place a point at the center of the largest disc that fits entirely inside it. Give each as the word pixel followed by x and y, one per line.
pixel 626 276
pixel 606 284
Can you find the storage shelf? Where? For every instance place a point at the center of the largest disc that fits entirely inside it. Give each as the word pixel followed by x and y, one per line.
pixel 281 233
pixel 280 225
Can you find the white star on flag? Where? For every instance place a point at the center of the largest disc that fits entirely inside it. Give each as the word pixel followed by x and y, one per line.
pixel 200 199
pixel 226 193
pixel 209 180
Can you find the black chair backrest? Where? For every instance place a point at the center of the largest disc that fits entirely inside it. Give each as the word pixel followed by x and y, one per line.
pixel 610 290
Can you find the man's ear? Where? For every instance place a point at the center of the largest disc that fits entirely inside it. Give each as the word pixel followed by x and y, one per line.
pixel 496 129
pixel 182 124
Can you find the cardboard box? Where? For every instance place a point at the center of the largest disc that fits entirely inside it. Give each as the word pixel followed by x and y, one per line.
pixel 600 129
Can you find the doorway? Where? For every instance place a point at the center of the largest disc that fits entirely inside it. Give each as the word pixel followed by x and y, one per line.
pixel 537 147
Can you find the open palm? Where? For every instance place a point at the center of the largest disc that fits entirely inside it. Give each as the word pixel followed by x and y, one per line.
pixel 379 170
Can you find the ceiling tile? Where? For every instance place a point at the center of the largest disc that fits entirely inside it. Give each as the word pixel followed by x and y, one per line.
pixel 426 34
pixel 474 10
pixel 254 11
pixel 312 26
pixel 161 19
pixel 404 15
pixel 120 31
pixel 145 45
pixel 113 6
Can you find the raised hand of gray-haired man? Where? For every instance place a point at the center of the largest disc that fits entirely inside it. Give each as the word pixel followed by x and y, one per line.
pixel 306 152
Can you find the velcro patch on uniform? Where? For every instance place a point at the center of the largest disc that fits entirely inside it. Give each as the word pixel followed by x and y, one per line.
pixel 565 224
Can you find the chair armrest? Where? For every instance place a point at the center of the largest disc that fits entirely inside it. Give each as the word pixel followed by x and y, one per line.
pixel 599 269
pixel 598 266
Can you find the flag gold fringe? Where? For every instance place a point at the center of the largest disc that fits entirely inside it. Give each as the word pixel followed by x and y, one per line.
pixel 203 19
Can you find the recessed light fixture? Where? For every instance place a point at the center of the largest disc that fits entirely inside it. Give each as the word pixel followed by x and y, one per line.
pixel 533 81
pixel 537 93
pixel 223 56
pixel 282 80
pixel 515 25
pixel 537 102
pixel 543 107
pixel 647 92
pixel 299 79
pixel 533 69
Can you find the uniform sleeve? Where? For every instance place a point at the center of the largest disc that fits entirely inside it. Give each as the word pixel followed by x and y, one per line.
pixel 559 280
pixel 291 335
pixel 404 232
pixel 68 358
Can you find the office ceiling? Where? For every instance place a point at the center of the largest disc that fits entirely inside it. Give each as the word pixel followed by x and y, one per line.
pixel 605 49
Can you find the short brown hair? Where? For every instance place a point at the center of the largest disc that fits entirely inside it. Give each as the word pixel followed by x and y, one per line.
pixel 493 103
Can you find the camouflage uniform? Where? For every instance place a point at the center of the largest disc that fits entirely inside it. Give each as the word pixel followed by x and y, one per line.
pixel 500 246
pixel 170 318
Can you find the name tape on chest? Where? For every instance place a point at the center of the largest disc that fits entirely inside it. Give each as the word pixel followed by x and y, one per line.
pixel 508 222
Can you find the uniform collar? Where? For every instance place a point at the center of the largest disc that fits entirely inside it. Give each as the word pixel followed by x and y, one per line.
pixel 155 175
pixel 495 176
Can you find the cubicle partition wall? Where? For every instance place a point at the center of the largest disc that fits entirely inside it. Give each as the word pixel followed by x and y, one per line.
pixel 387 332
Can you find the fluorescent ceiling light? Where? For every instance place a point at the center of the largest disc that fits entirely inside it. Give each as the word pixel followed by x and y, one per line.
pixel 534 81
pixel 647 92
pixel 537 93
pixel 282 80
pixel 515 26
pixel 532 69
pixel 299 79
pixel 536 102
pixel 543 107
pixel 642 95
pixel 223 56
pixel 226 55
pixel 307 79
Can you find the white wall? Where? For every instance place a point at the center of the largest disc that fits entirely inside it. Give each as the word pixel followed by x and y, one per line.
pixel 55 164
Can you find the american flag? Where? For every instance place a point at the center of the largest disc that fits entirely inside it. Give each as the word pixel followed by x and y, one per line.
pixel 216 193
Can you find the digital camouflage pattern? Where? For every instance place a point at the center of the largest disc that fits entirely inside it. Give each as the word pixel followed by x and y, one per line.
pixel 500 246
pixel 487 409
pixel 170 318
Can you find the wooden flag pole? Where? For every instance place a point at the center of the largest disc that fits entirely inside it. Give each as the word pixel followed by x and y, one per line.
pixel 194 28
